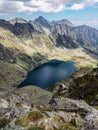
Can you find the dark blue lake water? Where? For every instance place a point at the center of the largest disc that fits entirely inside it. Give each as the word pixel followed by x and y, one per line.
pixel 49 73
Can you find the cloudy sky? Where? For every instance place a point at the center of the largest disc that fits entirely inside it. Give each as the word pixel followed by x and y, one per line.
pixel 77 11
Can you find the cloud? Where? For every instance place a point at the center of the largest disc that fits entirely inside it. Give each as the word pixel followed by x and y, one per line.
pixel 77 6
pixel 83 4
pixel 92 23
pixel 30 6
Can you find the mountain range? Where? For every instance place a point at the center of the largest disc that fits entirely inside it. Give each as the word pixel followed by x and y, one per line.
pixel 30 43
pixel 60 33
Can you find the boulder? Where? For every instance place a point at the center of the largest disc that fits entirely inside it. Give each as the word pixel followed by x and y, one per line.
pixel 87 112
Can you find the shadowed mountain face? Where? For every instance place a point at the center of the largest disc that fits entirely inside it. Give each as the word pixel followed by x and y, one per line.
pixel 66 41
pixel 49 73
pixel 63 22
pixel 24 30
pixel 70 36
pixel 21 30
pixel 6 54
pixel 64 33
pixel 42 22
pixel 84 36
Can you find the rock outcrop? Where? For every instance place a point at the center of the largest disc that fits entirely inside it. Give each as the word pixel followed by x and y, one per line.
pixel 85 87
pixel 82 85
pixel 29 108
pixel 87 113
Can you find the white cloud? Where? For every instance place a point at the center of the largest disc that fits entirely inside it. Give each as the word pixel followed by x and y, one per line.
pixel 92 23
pixel 77 6
pixel 83 4
pixel 30 6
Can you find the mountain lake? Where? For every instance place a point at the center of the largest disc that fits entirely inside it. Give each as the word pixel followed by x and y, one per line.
pixel 49 73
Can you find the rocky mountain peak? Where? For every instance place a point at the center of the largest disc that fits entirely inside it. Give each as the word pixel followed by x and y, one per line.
pixel 62 22
pixel 17 20
pixel 40 18
pixel 41 21
pixel 70 36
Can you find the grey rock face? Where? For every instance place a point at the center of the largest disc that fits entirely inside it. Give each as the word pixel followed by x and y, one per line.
pixel 70 36
pixel 70 105
pixel 66 41
pixel 17 20
pixel 91 121
pixel 85 36
pixel 24 30
pixel 63 21
pixel 88 113
pixel 40 23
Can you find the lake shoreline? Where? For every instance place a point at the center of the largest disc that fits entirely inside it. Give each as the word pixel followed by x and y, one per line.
pixel 49 73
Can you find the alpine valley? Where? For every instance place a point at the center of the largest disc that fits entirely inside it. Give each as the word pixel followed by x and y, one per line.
pixel 71 103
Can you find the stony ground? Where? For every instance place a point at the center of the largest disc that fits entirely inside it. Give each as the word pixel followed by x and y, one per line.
pixel 63 108
pixel 31 108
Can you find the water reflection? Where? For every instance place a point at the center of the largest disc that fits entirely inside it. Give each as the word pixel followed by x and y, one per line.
pixel 49 73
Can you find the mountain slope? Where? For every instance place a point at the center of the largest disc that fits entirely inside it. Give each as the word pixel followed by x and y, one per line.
pixel 22 40
pixel 6 54
pixel 17 20
pixel 10 75
pixel 23 47
pixel 66 41
pixel 40 23
pixel 63 22
pixel 24 30
pixel 85 36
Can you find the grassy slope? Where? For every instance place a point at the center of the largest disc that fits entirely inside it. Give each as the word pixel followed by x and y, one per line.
pixel 35 94
pixel 40 49
pixel 10 75
pixel 43 45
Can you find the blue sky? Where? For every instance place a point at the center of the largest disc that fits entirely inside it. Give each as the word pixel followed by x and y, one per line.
pixel 79 12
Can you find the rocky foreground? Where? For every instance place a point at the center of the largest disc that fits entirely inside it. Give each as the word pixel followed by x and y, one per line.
pixel 32 108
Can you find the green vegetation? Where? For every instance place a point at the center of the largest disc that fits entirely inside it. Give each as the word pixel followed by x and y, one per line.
pixel 73 122
pixel 3 122
pixel 35 115
pixel 18 104
pixel 24 61
pixel 35 128
pixel 85 87
pixel 22 121
pixel 69 126
pixel 45 109
pixel 96 107
pixel 10 75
